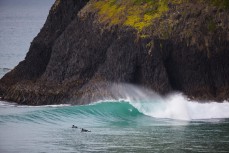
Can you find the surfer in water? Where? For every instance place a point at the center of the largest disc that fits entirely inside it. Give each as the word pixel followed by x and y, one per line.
pixel 73 126
pixel 84 130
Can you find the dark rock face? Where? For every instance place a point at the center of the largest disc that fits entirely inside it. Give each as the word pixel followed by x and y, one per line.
pixel 198 63
pixel 34 65
pixel 75 56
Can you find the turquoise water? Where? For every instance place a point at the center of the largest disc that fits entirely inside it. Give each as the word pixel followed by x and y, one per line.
pixel 116 126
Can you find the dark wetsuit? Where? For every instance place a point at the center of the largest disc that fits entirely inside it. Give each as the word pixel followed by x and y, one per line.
pixel 73 126
pixel 84 130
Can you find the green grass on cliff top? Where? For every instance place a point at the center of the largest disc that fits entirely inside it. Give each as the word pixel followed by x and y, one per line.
pixel 140 13
pixel 134 13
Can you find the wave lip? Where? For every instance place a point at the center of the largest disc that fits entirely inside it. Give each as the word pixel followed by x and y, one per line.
pixel 175 106
pixel 179 108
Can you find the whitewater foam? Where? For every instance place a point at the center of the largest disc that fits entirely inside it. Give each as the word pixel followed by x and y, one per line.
pixel 11 104
pixel 178 107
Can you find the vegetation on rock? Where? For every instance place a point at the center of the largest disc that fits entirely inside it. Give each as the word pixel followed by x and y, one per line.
pixel 134 13
pixel 183 46
pixel 139 14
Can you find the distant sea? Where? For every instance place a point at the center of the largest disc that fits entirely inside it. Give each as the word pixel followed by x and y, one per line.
pixel 135 122
pixel 20 22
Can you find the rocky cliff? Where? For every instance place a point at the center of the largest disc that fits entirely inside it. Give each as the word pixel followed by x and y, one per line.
pixel 86 45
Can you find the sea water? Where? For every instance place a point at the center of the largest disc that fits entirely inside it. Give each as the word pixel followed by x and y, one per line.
pixel 20 22
pixel 134 121
pixel 116 126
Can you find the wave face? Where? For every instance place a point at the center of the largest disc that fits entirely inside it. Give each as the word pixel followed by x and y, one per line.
pixel 174 107
pixel 102 112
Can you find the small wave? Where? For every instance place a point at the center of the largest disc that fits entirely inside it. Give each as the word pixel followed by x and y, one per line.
pixel 12 104
pixel 59 105
pixel 6 104
pixel 5 69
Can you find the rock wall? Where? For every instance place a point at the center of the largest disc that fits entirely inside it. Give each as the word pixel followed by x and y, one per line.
pixel 76 56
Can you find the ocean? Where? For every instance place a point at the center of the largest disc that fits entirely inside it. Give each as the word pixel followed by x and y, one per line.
pixel 134 121
pixel 116 126
pixel 20 22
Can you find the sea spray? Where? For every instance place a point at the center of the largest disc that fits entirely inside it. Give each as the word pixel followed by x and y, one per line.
pixel 178 107
pixel 175 106
pixel 150 103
